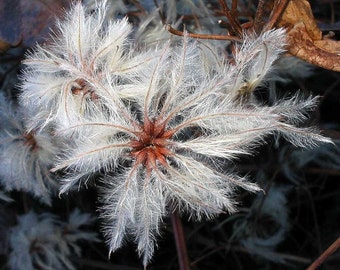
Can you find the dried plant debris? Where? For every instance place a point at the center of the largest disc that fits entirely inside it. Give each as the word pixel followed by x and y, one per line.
pixel 306 40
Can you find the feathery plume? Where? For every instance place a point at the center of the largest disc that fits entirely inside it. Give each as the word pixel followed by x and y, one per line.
pixel 26 157
pixel 171 146
pixel 42 241
pixel 87 60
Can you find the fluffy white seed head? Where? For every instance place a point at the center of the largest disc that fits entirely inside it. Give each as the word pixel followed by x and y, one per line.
pixel 159 128
pixel 42 241
pixel 72 76
pixel 26 157
pixel 171 146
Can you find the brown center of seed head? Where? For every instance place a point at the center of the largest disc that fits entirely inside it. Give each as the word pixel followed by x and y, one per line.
pixel 30 141
pixel 151 145
pixel 82 87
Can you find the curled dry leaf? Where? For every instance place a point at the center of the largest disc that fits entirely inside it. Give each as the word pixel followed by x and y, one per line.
pixel 302 46
pixel 305 38
pixel 328 45
pixel 300 11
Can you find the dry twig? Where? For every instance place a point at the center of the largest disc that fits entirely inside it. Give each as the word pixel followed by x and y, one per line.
pixel 328 252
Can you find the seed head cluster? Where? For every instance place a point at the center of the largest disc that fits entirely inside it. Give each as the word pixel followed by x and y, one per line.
pixel 154 127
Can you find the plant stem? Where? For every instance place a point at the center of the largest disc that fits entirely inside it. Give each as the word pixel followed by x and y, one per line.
pixel 182 251
pixel 328 252
pixel 236 27
pixel 201 36
pixel 259 16
pixel 278 9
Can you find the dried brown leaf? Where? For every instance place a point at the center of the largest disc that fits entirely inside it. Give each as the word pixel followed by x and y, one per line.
pixel 302 46
pixel 328 45
pixel 305 39
pixel 299 11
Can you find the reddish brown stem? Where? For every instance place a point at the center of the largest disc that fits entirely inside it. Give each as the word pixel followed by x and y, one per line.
pixel 201 36
pixel 259 15
pixel 278 9
pixel 234 23
pixel 182 251
pixel 234 7
pixel 328 252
